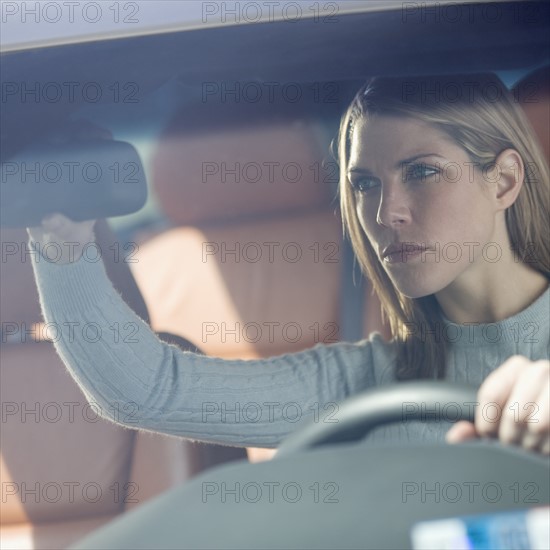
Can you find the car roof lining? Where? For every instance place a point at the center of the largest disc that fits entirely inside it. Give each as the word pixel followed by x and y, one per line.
pixel 306 51
pixel 165 16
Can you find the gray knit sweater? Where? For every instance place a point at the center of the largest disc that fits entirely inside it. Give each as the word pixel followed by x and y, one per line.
pixel 136 380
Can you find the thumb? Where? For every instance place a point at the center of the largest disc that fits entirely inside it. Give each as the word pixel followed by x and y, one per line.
pixel 461 431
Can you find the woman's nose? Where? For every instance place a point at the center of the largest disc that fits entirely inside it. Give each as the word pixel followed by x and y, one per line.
pixel 393 208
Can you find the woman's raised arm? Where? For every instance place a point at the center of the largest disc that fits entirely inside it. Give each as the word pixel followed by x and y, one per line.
pixel 136 380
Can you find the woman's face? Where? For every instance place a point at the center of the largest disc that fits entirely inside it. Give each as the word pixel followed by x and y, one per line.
pixel 417 191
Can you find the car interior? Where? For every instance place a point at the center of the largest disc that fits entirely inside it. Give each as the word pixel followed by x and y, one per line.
pixel 244 260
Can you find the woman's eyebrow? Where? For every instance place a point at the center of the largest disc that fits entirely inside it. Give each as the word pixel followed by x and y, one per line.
pixel 416 157
pixel 357 170
pixel 401 163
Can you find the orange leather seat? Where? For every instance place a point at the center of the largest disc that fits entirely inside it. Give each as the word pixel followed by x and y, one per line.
pixel 533 94
pixel 252 266
pixel 65 471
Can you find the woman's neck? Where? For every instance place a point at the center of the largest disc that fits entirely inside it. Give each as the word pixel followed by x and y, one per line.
pixel 493 295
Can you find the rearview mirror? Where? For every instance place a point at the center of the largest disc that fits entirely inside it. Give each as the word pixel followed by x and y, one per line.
pixel 91 179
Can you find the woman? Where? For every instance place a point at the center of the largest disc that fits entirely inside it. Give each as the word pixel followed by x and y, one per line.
pixel 444 192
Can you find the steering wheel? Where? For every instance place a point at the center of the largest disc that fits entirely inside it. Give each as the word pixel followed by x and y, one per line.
pixel 394 403
pixel 381 489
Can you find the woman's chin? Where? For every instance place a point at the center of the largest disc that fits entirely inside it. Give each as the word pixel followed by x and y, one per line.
pixel 411 293
pixel 419 288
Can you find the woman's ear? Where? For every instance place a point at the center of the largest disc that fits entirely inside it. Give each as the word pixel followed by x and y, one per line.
pixel 510 176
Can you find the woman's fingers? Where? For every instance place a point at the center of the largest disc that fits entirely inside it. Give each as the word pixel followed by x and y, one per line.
pixel 461 431
pixel 537 432
pixel 494 394
pixel 67 236
pixel 513 406
pixel 521 421
pixel 61 227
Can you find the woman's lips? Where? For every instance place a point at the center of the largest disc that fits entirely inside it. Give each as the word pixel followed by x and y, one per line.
pixel 405 254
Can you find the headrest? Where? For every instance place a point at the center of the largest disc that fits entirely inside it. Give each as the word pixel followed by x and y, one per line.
pixel 533 93
pixel 226 162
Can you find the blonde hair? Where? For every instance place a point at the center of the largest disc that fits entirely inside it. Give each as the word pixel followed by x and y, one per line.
pixel 480 115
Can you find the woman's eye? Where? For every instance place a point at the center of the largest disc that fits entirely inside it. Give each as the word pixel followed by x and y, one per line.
pixel 365 184
pixel 419 172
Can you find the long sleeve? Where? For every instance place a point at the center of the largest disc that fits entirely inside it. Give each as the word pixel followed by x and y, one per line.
pixel 138 381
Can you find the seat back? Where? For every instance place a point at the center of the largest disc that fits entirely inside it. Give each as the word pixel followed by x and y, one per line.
pixel 533 94
pixel 252 265
pixel 64 470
